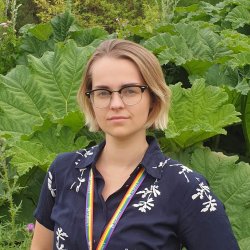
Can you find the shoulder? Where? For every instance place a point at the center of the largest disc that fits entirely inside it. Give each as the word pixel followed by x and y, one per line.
pixel 75 159
pixel 179 173
pixel 184 182
pixel 190 187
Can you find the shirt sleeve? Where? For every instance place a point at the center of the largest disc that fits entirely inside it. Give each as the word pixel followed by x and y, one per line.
pixel 47 199
pixel 204 224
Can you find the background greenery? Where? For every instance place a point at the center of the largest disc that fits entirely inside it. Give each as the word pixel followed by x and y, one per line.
pixel 204 50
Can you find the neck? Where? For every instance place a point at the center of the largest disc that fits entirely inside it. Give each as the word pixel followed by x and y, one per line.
pixel 123 153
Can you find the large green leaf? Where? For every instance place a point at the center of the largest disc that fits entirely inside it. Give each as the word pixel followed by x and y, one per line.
pixel 192 46
pixel 222 75
pixel 21 102
pixel 32 45
pixel 43 146
pixel 198 113
pixel 158 43
pixel 61 25
pixel 240 60
pixel 74 120
pixel 230 181
pixel 239 16
pixel 59 75
pixel 41 31
pixel 56 139
pixel 235 41
pixel 87 36
pixel 49 85
pixel 28 154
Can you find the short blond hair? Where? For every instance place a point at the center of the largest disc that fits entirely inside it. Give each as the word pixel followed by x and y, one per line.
pixel 151 73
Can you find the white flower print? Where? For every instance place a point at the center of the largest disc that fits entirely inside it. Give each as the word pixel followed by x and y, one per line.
pixel 184 170
pixel 80 179
pixel 201 191
pixel 210 205
pixel 146 194
pixel 162 164
pixel 84 154
pixel 144 205
pixel 60 235
pixel 50 180
pixel 204 193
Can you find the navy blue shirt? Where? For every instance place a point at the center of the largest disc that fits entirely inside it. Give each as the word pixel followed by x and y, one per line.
pixel 173 207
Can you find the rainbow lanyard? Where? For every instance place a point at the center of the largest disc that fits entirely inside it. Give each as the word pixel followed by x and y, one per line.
pixel 106 235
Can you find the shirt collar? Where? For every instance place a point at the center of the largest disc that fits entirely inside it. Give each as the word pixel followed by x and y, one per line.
pixel 152 160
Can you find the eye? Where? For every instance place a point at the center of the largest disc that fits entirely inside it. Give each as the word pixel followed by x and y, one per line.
pixel 101 93
pixel 130 91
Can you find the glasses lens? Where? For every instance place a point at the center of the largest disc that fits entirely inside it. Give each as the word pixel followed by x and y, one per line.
pixel 100 98
pixel 131 95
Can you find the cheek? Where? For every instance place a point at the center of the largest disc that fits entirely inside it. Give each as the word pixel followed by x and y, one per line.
pixel 142 113
pixel 99 116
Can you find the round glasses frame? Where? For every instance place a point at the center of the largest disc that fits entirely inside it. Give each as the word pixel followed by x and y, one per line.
pixel 128 98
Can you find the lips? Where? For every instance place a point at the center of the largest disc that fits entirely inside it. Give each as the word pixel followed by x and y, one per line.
pixel 117 118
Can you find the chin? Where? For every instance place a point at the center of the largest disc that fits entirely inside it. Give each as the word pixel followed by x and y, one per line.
pixel 122 133
pixel 119 134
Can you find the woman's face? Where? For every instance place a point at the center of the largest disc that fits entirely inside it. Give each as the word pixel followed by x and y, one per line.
pixel 118 119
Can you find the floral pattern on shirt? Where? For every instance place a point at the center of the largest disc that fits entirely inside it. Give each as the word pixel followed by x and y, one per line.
pixel 50 181
pixel 148 201
pixel 184 170
pixel 84 154
pixel 162 163
pixel 60 236
pixel 81 180
pixel 203 192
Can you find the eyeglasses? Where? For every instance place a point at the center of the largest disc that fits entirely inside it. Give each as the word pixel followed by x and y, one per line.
pixel 130 95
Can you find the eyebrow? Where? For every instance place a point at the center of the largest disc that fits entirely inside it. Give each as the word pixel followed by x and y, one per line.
pixel 122 86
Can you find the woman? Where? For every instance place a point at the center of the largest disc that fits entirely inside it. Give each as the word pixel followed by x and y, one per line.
pixel 125 193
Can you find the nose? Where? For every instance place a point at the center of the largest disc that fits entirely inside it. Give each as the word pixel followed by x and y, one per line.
pixel 116 101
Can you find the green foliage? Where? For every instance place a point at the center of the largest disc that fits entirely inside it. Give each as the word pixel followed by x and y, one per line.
pixel 56 77
pixel 200 45
pixel 8 47
pixel 40 38
pixel 191 2
pixel 8 40
pixel 43 146
pixel 166 8
pixel 52 114
pixel 2 10
pixel 12 234
pixel 61 25
pixel 49 9
pixel 239 16
pixel 198 113
pixel 192 45
pixel 246 121
pixel 228 14
pixel 111 15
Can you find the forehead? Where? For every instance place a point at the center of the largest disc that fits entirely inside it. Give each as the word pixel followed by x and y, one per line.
pixel 114 72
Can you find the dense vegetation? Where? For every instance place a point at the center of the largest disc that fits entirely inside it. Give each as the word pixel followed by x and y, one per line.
pixel 204 51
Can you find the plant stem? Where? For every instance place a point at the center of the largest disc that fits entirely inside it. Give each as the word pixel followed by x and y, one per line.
pixel 10 188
